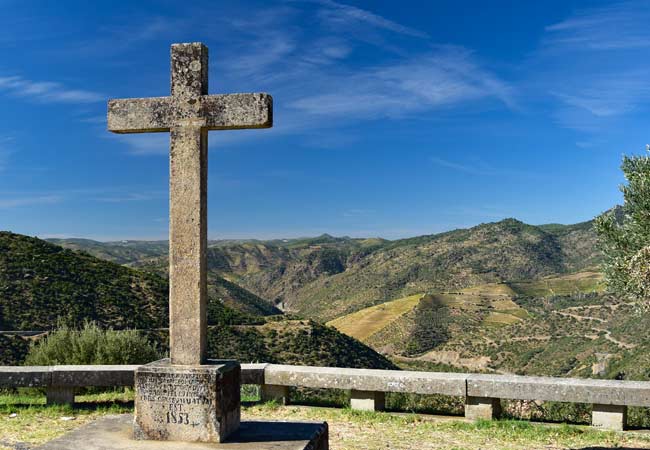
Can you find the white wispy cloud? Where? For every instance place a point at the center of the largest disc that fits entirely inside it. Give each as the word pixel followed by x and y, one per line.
pixel 593 65
pixel 14 202
pixel 143 144
pixel 476 166
pixel 608 94
pixel 479 168
pixel 339 15
pixel 128 197
pixel 46 91
pixel 446 77
pixel 622 25
pixel 358 212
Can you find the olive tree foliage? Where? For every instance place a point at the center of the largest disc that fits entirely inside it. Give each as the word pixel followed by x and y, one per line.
pixel 92 345
pixel 625 240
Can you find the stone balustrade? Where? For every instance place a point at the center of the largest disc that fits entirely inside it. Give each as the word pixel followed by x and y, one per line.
pixel 482 393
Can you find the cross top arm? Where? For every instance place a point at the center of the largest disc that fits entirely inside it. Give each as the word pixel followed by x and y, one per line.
pixel 212 112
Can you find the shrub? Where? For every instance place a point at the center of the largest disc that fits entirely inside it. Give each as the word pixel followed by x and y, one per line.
pixel 92 345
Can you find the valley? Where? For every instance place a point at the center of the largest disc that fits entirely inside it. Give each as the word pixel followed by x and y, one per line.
pixel 502 297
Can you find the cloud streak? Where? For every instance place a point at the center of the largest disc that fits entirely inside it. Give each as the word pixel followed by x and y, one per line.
pixel 8 203
pixel 46 91
pixel 339 15
pixel 618 26
pixel 444 78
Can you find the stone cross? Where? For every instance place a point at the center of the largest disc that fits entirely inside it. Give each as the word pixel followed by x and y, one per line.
pixel 188 114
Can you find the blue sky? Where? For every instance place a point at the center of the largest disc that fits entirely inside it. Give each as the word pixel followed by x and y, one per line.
pixel 392 118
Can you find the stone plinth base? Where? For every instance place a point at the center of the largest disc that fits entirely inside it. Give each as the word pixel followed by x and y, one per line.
pixel 609 417
pixel 367 401
pixel 482 408
pixel 115 433
pixel 187 403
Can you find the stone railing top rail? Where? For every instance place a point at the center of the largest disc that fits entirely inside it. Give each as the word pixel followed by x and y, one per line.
pixel 575 390
pixel 64 376
pixel 367 379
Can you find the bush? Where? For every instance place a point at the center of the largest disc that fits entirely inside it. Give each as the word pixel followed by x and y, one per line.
pixel 92 345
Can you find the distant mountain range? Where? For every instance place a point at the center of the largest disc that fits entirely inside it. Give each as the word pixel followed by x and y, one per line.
pixel 502 296
pixel 326 277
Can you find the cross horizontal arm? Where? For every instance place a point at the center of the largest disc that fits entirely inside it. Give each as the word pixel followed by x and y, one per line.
pixel 140 115
pixel 213 112
pixel 237 111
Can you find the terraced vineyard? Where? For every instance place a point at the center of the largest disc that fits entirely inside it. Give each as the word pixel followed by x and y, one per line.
pixel 562 325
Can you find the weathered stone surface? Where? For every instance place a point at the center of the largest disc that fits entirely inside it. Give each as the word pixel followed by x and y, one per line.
pixel 273 392
pixel 606 392
pixel 188 237
pixel 367 379
pixel 216 112
pixel 187 403
pixel 609 417
pixel 82 376
pixel 94 375
pixel 28 376
pixel 367 400
pixel 114 433
pixel 188 114
pixel 253 373
pixel 482 408
pixel 60 395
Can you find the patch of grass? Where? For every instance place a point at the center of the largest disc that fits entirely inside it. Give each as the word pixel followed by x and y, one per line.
pixel 356 430
pixel 24 418
pixel 35 423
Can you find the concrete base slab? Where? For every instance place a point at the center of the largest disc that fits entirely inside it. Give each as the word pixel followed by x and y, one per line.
pixel 116 433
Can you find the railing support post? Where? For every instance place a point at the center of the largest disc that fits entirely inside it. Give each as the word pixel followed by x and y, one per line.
pixel 482 408
pixel 367 400
pixel 60 395
pixel 274 392
pixel 609 417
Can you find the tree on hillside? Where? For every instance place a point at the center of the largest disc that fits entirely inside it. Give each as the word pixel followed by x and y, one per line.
pixel 625 240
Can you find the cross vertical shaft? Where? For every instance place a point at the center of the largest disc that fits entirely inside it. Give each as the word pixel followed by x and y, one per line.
pixel 188 114
pixel 188 209
pixel 188 245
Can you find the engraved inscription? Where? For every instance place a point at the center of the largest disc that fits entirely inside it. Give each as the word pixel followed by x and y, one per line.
pixel 174 395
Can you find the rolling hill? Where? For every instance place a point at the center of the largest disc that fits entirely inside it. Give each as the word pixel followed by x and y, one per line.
pixel 327 277
pixel 560 325
pixel 42 284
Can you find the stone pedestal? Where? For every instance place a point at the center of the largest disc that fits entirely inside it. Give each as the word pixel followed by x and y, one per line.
pixel 60 395
pixel 187 403
pixel 609 417
pixel 485 408
pixel 367 400
pixel 278 394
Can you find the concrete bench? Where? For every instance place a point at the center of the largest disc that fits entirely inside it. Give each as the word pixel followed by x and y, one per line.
pixel 482 393
pixel 60 382
pixel 610 398
pixel 367 387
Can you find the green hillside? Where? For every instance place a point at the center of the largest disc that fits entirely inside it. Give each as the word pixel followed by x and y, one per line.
pixel 326 277
pixel 328 281
pixel 120 252
pixel 42 283
pixel 560 326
